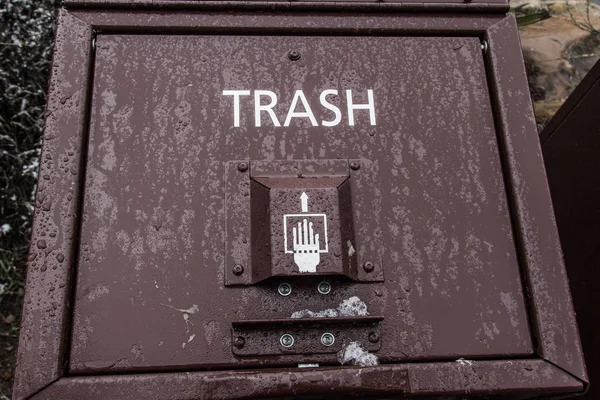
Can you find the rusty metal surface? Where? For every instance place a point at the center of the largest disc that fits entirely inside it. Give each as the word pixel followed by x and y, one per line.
pixel 150 291
pixel 447 380
pixel 553 320
pixel 571 144
pixel 41 355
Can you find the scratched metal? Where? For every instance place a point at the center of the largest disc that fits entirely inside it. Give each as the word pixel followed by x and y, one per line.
pixel 150 281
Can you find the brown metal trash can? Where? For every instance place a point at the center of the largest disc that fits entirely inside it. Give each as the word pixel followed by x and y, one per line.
pixel 571 148
pixel 270 199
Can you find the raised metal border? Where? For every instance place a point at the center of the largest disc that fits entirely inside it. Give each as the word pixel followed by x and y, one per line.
pixel 43 347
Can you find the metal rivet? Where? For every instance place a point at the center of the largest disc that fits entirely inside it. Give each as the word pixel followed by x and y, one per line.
pixel 484 46
pixel 324 287
pixel 294 55
pixel 354 165
pixel 327 339
pixel 368 266
pixel 238 269
pixel 373 337
pixel 285 289
pixel 239 342
pixel 286 340
pixel 242 167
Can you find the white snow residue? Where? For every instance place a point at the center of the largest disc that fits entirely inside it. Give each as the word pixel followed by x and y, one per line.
pixel 462 361
pixel 351 250
pixel 191 338
pixel 354 354
pixel 5 228
pixel 351 307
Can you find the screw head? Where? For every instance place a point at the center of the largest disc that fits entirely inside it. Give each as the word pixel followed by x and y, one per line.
pixel 354 165
pixel 294 55
pixel 327 339
pixel 368 266
pixel 373 337
pixel 238 269
pixel 286 340
pixel 285 289
pixel 239 342
pixel 242 167
pixel 324 287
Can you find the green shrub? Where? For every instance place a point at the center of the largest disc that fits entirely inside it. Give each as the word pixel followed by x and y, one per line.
pixel 26 36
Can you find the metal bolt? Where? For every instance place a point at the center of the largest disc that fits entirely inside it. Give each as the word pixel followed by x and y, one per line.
pixel 239 342
pixel 324 287
pixel 285 289
pixel 238 269
pixel 373 337
pixel 242 167
pixel 286 340
pixel 294 55
pixel 327 339
pixel 484 46
pixel 354 165
pixel 368 266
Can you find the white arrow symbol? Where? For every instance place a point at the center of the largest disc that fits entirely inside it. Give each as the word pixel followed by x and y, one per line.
pixel 304 201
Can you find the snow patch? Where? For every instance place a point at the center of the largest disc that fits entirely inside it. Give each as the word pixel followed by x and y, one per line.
pixel 352 307
pixel 351 250
pixel 5 228
pixel 354 354
pixel 462 361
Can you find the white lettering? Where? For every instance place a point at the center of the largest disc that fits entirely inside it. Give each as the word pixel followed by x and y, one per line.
pixel 299 95
pixel 369 106
pixel 236 103
pixel 265 107
pixel 331 107
pixel 300 102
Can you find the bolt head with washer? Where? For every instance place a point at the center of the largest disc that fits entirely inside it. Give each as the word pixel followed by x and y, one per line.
pixel 327 339
pixel 286 340
pixel 294 55
pixel 324 287
pixel 239 342
pixel 238 269
pixel 285 289
pixel 242 167
pixel 368 266
pixel 354 165
pixel 373 337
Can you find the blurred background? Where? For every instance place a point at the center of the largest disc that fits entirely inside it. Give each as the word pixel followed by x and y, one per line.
pixel 560 39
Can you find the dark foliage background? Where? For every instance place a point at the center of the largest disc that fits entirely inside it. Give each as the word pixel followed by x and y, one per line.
pixel 26 36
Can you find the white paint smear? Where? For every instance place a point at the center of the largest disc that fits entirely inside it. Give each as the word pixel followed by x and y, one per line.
pixel 352 307
pixel 354 354
pixel 192 310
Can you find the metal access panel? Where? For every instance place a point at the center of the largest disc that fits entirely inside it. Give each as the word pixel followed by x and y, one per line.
pixel 303 202
pixel 570 143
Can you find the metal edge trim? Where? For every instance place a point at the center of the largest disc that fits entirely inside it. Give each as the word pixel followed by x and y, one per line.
pixel 42 342
pixel 460 377
pixel 554 325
